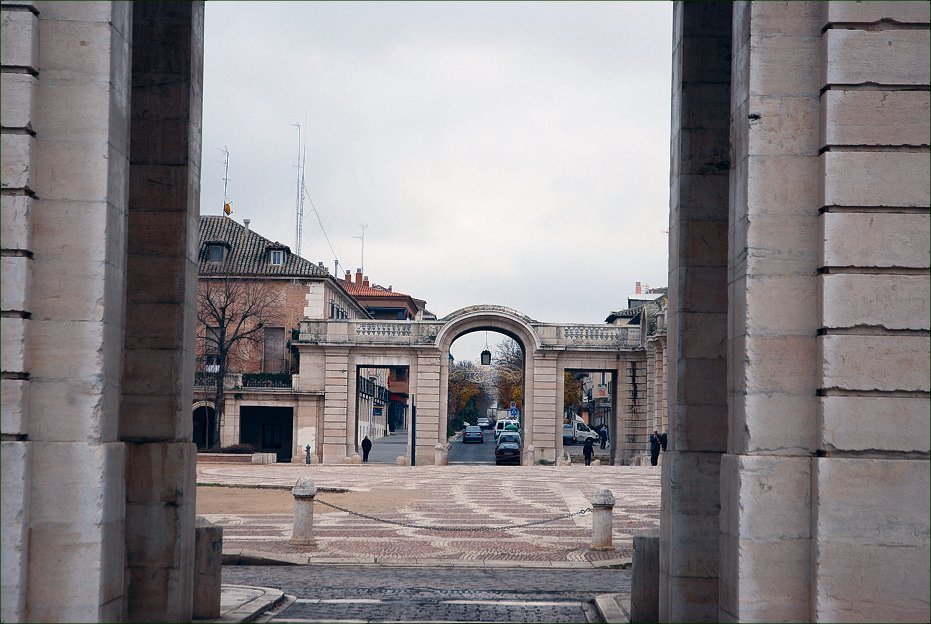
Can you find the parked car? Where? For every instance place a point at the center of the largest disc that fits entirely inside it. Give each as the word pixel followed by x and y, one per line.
pixel 502 425
pixel 473 433
pixel 485 423
pixel 508 448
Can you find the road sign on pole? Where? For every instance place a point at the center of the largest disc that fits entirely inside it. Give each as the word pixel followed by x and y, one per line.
pixel 515 412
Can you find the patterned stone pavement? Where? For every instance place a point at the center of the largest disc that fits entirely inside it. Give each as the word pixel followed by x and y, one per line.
pixel 477 500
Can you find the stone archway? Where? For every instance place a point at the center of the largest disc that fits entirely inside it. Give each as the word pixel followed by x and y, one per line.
pixel 500 319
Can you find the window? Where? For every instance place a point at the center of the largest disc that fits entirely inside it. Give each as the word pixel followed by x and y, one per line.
pixel 215 253
pixel 276 256
pixel 211 349
pixel 275 361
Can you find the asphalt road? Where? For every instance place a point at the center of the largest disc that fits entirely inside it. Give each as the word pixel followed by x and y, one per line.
pixel 434 594
pixel 473 453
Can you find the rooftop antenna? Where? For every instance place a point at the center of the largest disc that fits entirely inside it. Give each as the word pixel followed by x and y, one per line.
pixel 227 209
pixel 299 202
pixel 364 226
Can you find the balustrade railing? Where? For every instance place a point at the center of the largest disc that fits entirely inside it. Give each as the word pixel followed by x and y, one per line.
pixel 266 380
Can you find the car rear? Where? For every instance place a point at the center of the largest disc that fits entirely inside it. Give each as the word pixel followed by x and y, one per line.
pixel 473 433
pixel 507 450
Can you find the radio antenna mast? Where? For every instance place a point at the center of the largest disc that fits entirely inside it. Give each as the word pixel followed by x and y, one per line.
pixel 299 201
pixel 364 226
pixel 226 177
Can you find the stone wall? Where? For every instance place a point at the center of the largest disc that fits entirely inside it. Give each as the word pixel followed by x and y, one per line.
pixel 99 201
pixel 806 515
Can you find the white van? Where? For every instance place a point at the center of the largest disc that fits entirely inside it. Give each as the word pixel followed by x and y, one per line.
pixel 501 424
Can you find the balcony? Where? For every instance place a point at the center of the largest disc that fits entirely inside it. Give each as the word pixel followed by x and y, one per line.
pixel 266 380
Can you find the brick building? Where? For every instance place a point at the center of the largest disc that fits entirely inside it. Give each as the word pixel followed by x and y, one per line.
pixel 261 404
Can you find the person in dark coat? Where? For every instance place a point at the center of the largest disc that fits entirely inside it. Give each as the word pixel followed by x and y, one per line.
pixel 603 434
pixel 656 443
pixel 366 448
pixel 588 450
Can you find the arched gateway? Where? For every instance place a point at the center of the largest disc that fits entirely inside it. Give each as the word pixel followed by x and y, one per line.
pixel 333 351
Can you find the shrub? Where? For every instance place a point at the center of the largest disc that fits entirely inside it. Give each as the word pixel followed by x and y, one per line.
pixel 242 449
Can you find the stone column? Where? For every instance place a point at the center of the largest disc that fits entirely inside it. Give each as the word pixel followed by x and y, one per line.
pixel 428 405
pixel 542 423
pixel 872 355
pixel 65 176
pixel 20 35
pixel 644 572
pixel 603 520
pixel 161 280
pixel 304 492
pixel 335 406
pixel 697 315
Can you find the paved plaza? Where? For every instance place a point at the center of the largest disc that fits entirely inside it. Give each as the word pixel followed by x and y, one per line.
pixel 477 501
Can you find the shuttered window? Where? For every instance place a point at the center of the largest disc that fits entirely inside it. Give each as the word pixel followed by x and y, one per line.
pixel 275 360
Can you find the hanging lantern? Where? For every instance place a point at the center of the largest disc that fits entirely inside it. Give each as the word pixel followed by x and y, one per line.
pixel 486 357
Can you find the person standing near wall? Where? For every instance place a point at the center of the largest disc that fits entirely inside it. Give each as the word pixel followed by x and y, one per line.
pixel 656 442
pixel 366 448
pixel 603 434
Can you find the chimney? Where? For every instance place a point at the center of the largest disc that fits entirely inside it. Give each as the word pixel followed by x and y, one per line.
pixel 358 276
pixel 365 281
pixel 349 276
pixel 639 289
pixel 245 223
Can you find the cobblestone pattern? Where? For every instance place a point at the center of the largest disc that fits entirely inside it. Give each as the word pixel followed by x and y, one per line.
pixel 367 593
pixel 464 496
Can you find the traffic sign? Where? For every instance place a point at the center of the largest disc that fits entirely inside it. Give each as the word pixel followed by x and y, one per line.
pixel 514 411
pixel 513 404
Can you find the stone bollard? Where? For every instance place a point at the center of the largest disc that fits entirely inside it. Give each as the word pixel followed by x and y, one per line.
pixel 596 462
pixel 602 523
pixel 208 562
pixel 644 578
pixel 303 533
pixel 356 459
pixel 402 461
pixel 440 455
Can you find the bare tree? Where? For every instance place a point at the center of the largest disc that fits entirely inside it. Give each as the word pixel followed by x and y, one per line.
pixel 509 372
pixel 233 312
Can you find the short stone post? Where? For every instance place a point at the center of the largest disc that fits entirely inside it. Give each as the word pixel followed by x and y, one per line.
pixel 644 581
pixel 303 533
pixel 440 455
pixel 602 521
pixel 208 563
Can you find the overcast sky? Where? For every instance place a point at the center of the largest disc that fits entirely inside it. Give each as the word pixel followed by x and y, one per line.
pixel 499 153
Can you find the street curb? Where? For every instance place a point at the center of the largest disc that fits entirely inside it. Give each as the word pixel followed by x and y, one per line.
pixel 257 557
pixel 613 608
pixel 252 608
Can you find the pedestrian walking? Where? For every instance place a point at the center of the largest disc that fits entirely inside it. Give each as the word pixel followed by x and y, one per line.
pixel 366 448
pixel 588 450
pixel 656 442
pixel 603 434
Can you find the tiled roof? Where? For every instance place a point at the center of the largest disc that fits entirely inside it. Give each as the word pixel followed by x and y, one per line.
pixel 361 290
pixel 248 252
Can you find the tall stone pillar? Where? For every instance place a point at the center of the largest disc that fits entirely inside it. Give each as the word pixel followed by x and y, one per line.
pixel 697 315
pixel 65 170
pixel 872 262
pixel 336 430
pixel 542 418
pixel 20 35
pixel 161 278
pixel 428 405
pixel 765 539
